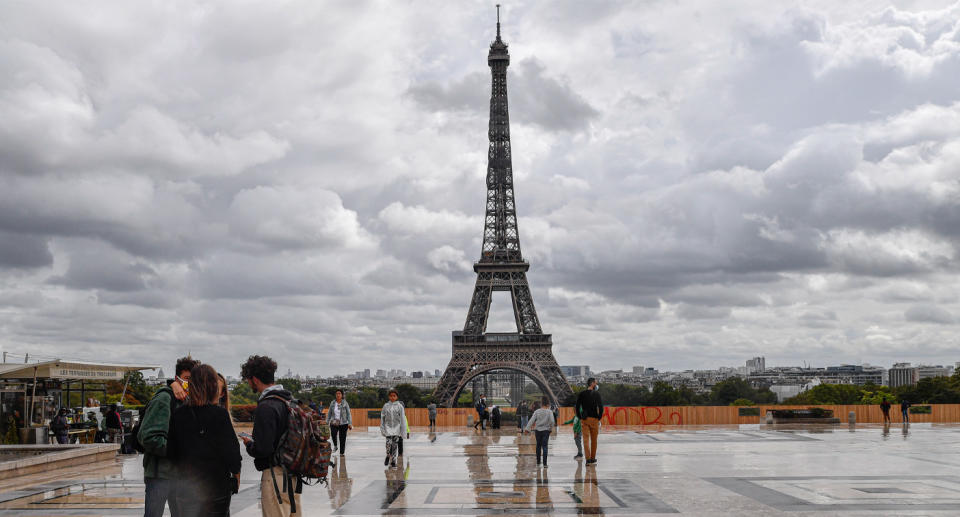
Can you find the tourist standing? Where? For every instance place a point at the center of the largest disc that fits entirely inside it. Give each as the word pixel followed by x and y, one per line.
pixel 60 427
pixel 885 408
pixel 589 409
pixel 577 435
pixel 481 407
pixel 159 471
pixel 495 417
pixel 269 425
pixel 392 420
pixel 205 449
pixel 432 413
pixel 542 423
pixel 114 425
pixel 905 411
pixel 340 421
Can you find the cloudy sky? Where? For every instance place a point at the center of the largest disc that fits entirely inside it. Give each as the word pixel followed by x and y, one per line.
pixel 697 182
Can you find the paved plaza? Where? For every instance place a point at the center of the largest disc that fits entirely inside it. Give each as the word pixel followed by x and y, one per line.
pixel 746 470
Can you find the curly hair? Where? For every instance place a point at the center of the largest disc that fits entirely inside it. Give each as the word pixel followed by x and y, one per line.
pixel 185 364
pixel 259 366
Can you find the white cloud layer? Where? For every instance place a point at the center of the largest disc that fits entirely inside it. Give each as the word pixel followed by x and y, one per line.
pixel 697 183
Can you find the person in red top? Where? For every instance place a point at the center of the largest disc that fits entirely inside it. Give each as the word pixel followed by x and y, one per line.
pixel 885 407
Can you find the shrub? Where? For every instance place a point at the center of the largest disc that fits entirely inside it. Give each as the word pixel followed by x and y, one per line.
pixel 243 412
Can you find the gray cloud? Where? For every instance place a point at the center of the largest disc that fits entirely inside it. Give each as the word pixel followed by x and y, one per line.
pixel 781 181
pixel 24 251
pixel 929 314
pixel 535 98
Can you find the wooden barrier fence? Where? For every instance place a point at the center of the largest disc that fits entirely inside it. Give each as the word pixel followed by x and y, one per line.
pixel 673 415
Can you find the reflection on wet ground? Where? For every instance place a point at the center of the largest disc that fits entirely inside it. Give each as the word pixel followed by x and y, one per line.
pixel 720 470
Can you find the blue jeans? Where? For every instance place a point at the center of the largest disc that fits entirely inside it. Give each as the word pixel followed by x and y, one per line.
pixel 159 492
pixel 906 415
pixel 543 438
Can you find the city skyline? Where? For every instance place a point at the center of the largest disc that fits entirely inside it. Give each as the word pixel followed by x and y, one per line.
pixel 694 182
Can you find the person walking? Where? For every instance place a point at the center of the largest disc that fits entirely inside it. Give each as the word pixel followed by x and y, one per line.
pixel 481 407
pixel 60 427
pixel 589 408
pixel 577 435
pixel 159 471
pixel 905 411
pixel 205 449
pixel 523 415
pixel 432 414
pixel 885 409
pixel 392 420
pixel 542 423
pixel 269 425
pixel 340 420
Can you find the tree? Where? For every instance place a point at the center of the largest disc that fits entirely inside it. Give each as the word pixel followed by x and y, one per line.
pixel 242 394
pixel 932 390
pixel 728 390
pixel 409 394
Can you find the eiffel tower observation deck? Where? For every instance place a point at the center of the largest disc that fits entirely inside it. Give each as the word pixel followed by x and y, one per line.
pixel 501 268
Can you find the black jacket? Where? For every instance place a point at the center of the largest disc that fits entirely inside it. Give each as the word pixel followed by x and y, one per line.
pixel 589 404
pixel 269 424
pixel 205 448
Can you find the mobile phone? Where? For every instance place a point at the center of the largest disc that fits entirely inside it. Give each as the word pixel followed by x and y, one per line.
pixel 245 435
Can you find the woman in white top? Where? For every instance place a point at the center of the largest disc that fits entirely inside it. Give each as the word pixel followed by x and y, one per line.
pixel 338 416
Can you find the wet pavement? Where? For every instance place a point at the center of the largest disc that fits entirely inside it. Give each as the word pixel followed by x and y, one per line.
pixel 717 470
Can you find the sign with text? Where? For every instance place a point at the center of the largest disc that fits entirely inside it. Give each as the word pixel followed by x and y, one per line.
pixel 76 372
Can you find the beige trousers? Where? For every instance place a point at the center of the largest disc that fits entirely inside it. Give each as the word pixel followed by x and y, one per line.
pixel 268 496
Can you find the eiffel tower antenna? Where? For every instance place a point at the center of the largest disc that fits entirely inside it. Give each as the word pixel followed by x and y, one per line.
pixel 501 268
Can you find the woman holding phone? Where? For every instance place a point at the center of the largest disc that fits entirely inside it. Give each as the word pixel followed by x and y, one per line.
pixel 205 449
pixel 338 416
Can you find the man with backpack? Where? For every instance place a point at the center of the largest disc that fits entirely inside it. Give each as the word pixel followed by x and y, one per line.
pixel 481 407
pixel 159 473
pixel 270 422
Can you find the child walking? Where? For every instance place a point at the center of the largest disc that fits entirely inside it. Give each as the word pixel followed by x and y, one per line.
pixel 577 435
pixel 392 418
pixel 542 422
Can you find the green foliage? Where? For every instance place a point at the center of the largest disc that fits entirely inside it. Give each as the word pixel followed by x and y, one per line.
pixel 725 392
pixel 466 399
pixel 291 384
pixel 137 386
pixel 933 390
pixel 410 395
pixel 242 394
pixel 742 402
pixel 829 394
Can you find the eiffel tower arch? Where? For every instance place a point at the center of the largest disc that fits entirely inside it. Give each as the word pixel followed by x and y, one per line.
pixel 501 268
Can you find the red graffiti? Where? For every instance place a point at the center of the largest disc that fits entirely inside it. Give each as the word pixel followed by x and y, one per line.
pixel 649 415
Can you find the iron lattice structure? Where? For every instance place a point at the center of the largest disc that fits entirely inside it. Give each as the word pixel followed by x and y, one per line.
pixel 501 268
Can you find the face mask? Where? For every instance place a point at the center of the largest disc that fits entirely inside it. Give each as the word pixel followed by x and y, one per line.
pixel 596 387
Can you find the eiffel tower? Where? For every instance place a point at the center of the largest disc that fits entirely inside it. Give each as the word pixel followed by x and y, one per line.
pixel 501 268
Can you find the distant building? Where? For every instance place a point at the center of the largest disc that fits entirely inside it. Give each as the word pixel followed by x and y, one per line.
pixel 755 365
pixel 902 374
pixel 926 372
pixel 638 370
pixel 417 375
pixel 575 371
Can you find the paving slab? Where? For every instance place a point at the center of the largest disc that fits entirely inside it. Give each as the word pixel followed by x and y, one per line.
pixel 704 471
